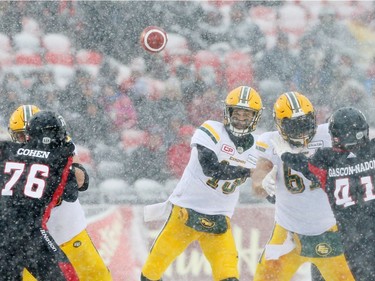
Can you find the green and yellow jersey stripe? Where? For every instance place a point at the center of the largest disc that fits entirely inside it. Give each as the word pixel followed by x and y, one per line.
pixel 210 132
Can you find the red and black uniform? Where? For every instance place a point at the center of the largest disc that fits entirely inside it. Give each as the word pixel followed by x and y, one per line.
pixel 349 181
pixel 33 178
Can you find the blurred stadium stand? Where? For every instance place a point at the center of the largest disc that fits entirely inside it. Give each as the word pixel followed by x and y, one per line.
pixel 87 51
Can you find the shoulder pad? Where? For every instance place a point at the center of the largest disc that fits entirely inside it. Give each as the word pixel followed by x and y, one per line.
pixel 210 131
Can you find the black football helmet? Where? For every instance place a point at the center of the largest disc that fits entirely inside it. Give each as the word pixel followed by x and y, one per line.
pixel 348 128
pixel 47 128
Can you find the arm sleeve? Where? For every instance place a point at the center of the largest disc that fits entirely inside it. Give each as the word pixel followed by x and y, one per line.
pixel 212 168
pixel 71 189
pixel 85 185
pixel 298 162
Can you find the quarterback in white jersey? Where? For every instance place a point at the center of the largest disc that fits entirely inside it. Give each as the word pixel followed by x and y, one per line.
pixel 206 194
pixel 305 228
pixel 205 198
pixel 67 223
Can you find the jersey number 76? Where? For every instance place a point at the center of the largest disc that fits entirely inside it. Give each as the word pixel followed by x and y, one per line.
pixel 35 181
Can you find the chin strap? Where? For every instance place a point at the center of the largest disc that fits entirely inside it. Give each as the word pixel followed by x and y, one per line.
pixel 237 132
pixel 244 141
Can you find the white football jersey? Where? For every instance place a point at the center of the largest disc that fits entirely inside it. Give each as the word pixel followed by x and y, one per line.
pixel 208 195
pixel 66 221
pixel 301 206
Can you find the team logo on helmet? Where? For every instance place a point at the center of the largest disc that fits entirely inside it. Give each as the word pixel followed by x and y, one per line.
pixel 359 135
pixel 46 140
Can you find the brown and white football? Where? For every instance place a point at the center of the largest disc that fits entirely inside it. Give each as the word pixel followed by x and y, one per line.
pixel 153 39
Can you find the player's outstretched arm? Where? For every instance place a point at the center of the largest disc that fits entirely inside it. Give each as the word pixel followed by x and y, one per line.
pixel 298 162
pixel 221 171
pixel 81 174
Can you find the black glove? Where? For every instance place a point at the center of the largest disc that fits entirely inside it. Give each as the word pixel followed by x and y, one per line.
pixel 85 185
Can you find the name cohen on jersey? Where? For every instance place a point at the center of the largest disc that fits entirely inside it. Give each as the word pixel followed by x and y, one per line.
pixel 33 153
pixel 350 170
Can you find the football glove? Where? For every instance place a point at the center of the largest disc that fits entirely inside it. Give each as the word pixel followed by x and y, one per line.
pixel 271 199
pixel 269 181
pixel 85 184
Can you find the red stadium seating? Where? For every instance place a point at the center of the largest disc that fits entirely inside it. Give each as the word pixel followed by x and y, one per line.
pixel 265 18
pixel 88 57
pixel 59 58
pixel 292 20
pixel 84 155
pixel 28 59
pixel 132 139
pixel 262 13
pixel 89 60
pixel 220 3
pixel 5 44
pixel 238 69
pixel 26 41
pixel 176 51
pixel 208 59
pixel 56 42
pixel 6 59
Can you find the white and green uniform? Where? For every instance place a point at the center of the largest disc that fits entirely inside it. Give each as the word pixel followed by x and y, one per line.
pixel 296 196
pixel 208 195
pixel 305 229
pixel 202 203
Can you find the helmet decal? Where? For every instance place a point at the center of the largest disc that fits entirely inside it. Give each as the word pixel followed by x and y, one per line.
pixel 294 104
pixel 295 118
pixel 244 96
pixel 27 113
pixel 46 140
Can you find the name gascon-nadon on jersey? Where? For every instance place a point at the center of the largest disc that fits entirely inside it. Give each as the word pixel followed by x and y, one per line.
pixel 350 170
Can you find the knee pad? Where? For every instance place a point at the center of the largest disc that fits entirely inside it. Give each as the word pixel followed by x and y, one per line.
pixel 143 278
pixel 231 279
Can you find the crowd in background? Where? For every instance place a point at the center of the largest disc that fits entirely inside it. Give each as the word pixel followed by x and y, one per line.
pixel 133 116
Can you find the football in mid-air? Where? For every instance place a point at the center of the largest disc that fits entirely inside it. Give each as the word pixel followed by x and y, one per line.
pixel 153 39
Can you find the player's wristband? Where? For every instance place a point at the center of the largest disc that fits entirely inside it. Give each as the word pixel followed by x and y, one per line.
pixel 85 184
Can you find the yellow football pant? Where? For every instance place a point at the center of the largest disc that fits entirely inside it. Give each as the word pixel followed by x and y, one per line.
pixel 175 237
pixel 85 259
pixel 283 269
